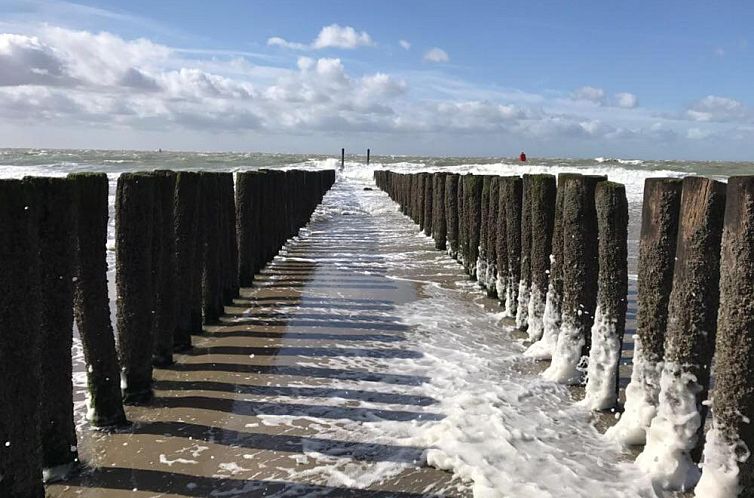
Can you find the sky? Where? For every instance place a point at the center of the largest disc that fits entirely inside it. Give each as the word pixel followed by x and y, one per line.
pixel 630 79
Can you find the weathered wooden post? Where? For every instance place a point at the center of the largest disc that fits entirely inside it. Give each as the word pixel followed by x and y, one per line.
pixel 212 283
pixel 427 203
pixel 91 302
pixel 513 193
pixel 580 266
pixel 20 455
pixel 542 193
pixel 657 244
pixel 727 471
pixel 524 283
pixel 53 205
pixel 610 315
pixel 439 223
pixel 166 306
pixel 247 225
pixel 462 221
pixel 674 436
pixel 368 152
pixel 188 257
pixel 484 206
pixel 229 256
pixel 492 216
pixel 134 219
pixel 451 213
pixel 342 158
pixel 501 240
pixel 472 198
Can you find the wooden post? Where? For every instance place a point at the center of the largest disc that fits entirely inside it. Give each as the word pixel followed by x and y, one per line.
pixel 229 257
pixel 492 225
pixel 674 436
pixel 513 206
pixel 247 204
pixel 342 158
pixel 166 305
pixel 524 283
pixel 462 221
pixel 368 151
pixel 657 244
pixel 501 240
pixel 484 207
pixel 542 194
pixel 134 218
pixel 212 283
pixel 52 204
pixel 472 197
pixel 91 302
pixel 580 267
pixel 610 315
pixel 20 455
pixel 439 223
pixel 451 213
pixel 188 250
pixel 725 472
pixel 427 203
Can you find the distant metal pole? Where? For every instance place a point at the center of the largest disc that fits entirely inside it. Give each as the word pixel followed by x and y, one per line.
pixel 368 153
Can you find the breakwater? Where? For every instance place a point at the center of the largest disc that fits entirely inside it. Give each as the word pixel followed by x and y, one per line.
pixel 694 307
pixel 179 255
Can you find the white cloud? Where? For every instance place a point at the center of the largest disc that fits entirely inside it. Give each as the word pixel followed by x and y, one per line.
pixel 436 55
pixel 715 108
pixel 589 93
pixel 25 60
pixel 406 45
pixel 626 100
pixel 332 36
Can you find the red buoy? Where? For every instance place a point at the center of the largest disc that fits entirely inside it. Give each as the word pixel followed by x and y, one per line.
pixel 522 157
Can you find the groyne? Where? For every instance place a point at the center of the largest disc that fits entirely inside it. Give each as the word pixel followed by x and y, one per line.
pixel 695 303
pixel 185 242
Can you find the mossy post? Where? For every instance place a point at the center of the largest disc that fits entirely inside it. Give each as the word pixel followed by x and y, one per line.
pixel 580 268
pixel 188 249
pixel 472 200
pixel 428 203
pixel 439 223
pixel 690 340
pixel 501 240
pixel 484 205
pixel 543 193
pixel 657 245
pixel 166 304
pixel 462 220
pixel 134 218
pixel 451 214
pixel 513 206
pixel 610 315
pixel 20 454
pixel 492 215
pixel 53 205
pixel 91 302
pixel 733 402
pixel 524 283
pixel 212 290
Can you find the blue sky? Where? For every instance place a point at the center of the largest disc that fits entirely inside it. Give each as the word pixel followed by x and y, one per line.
pixel 628 79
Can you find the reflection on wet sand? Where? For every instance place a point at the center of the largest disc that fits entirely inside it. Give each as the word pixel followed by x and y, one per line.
pixel 273 393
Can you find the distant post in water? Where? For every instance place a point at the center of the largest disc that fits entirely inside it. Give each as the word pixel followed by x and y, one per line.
pixel 91 302
pixel 368 151
pixel 610 315
pixel 134 230
pixel 52 205
pixel 20 455
pixel 342 158
pixel 724 471
pixel 674 435
pixel 580 266
pixel 657 244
